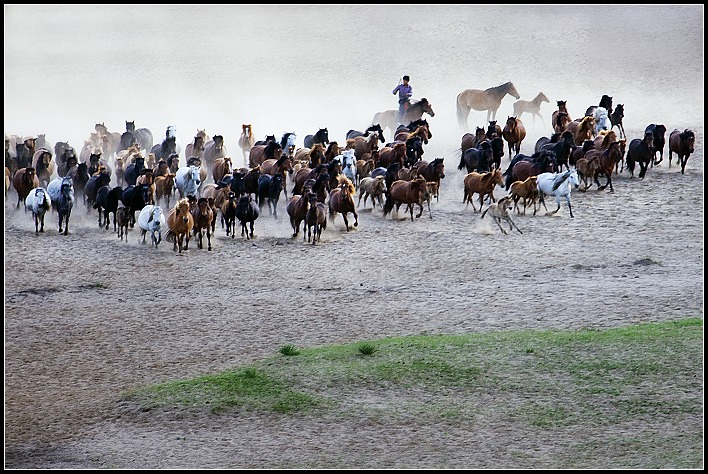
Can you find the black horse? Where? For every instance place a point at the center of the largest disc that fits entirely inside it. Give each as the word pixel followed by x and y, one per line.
pixel 640 150
pixel 658 131
pixel 376 128
pixel 616 118
pixel 141 137
pixel 497 144
pixel 562 149
pixel 132 171
pixel 322 136
pixel 107 201
pixel 135 198
pixel 605 101
pixel 478 159
pixel 166 148
pixel 247 211
pixel 269 189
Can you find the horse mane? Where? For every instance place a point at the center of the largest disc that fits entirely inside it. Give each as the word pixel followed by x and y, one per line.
pixel 560 179
pixel 343 180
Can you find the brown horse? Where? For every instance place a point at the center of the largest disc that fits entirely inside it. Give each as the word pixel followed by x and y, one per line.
pixel 164 187
pixel 407 192
pixel 283 165
pixel 482 184
pixel 432 172
pixel 315 219
pixel 514 133
pixel 488 99
pixel 388 118
pixel 582 129
pixel 683 144
pixel 606 161
pixel 560 118
pixel 24 181
pixel 390 155
pixel 524 190
pixel 43 165
pixel 259 153
pixel 221 167
pixel 203 216
pixel 363 145
pixel 297 208
pixel 341 200
pixel 180 224
pixel 196 148
pixel 333 150
pixel 303 174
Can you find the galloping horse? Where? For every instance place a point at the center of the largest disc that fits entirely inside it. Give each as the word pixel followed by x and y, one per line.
pixel 488 99
pixel 601 120
pixel 322 136
pixel 477 159
pixel 641 150
pixel 560 118
pixel 514 133
pixel 616 119
pixel 410 192
pixel 558 185
pixel 246 140
pixel 432 172
pixel 533 107
pixel 341 200
pixel 681 143
pixel 132 136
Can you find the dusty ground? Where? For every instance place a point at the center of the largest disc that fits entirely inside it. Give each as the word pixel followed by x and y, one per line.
pixel 88 317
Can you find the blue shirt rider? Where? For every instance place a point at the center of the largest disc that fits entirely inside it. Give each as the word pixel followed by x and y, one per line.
pixel 405 91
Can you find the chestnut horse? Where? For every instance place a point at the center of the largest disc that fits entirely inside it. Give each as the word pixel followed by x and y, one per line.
pixel 433 171
pixel 410 192
pixel 341 200
pixel 482 184
pixel 681 143
pixel 180 224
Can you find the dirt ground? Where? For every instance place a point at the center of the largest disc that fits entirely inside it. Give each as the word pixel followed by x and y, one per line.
pixel 88 317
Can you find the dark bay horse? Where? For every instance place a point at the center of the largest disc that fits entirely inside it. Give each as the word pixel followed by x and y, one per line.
pixel 488 99
pixel 478 159
pixel 523 166
pixel 616 119
pixel 658 131
pixel 432 172
pixel 681 143
pixel 514 133
pixel 322 136
pixel 341 200
pixel 640 150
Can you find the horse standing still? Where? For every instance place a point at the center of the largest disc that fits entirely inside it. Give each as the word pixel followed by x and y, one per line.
pixel 533 107
pixel 488 99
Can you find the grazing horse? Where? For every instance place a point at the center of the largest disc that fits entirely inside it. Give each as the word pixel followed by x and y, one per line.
pixel 152 219
pixel 533 106
pixel 39 202
pixel 24 181
pixel 410 192
pixel 488 99
pixel 477 159
pixel 681 143
pixel 341 200
pixel 640 150
pixel 482 184
pixel 269 189
pixel 246 141
pixel 601 120
pixel 414 112
pixel 616 118
pixel 432 172
pixel 500 212
pixel 558 185
pixel 315 219
pixel 322 136
pixel 203 217
pixel 179 225
pixel 187 181
pixel 514 133
pixel 43 165
pixel 658 131
pixel 247 211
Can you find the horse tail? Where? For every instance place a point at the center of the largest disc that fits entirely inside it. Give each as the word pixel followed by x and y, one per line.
pixel 462 161
pixel 462 113
pixel 388 205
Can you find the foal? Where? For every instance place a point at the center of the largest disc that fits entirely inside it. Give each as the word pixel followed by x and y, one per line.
pixel 500 211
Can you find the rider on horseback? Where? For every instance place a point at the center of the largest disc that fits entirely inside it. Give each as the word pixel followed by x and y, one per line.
pixel 405 91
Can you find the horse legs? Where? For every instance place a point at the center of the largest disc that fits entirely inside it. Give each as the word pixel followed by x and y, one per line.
pixel 208 232
pixel 251 223
pixel 542 201
pixel 643 166
pixel 684 160
pixel 513 225
pixel 498 221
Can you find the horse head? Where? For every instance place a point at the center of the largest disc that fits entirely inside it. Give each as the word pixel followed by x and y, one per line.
pixel 511 89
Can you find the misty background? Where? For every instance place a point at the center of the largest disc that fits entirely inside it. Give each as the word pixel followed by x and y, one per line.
pixel 298 68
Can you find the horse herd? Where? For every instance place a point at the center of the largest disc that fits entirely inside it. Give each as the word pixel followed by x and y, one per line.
pixel 324 176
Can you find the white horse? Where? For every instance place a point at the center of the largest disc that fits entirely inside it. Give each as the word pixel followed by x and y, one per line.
pixel 348 161
pixel 188 181
pixel 558 185
pixel 601 120
pixel 39 202
pixel 172 132
pixel 152 219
